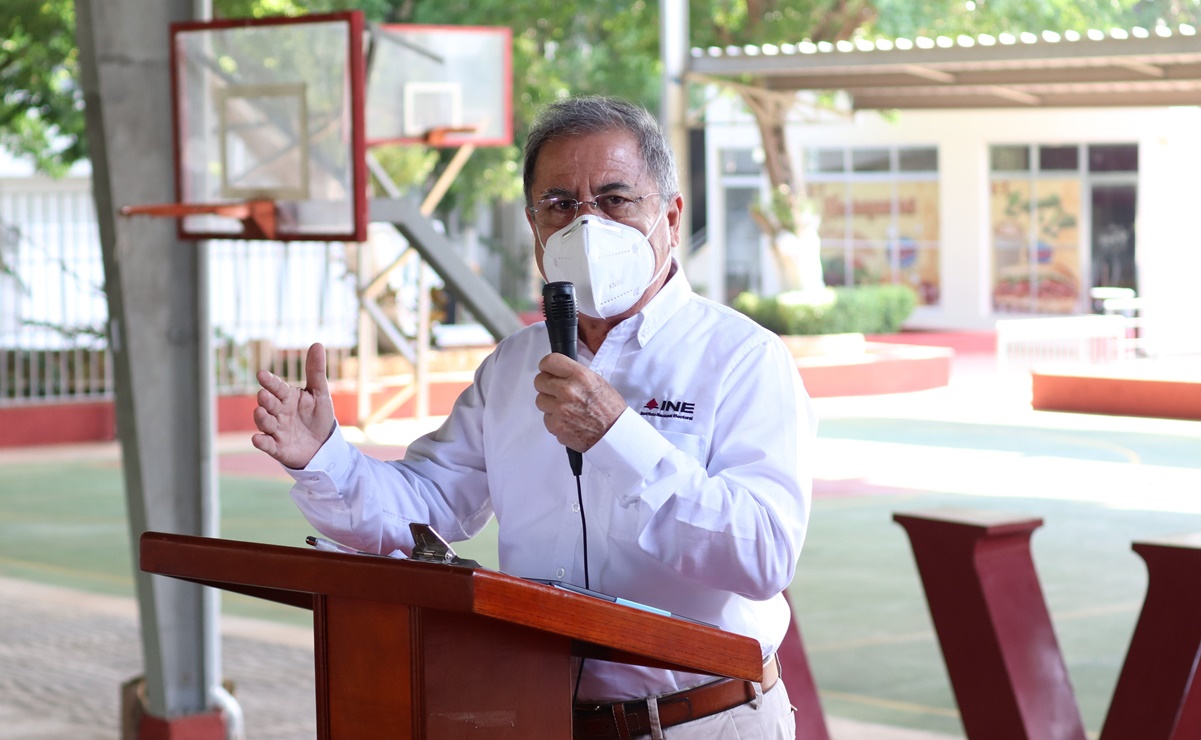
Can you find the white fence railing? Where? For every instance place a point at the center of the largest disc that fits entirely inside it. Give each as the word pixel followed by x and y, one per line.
pixel 268 300
pixel 1024 344
pixel 52 309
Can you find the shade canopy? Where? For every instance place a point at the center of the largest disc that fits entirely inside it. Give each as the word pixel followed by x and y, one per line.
pixel 1136 67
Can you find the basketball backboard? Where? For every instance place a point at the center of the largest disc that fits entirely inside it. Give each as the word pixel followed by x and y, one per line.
pixel 440 85
pixel 271 111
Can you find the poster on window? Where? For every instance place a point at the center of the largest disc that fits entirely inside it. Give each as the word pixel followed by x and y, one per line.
pixel 871 232
pixel 880 231
pixel 830 199
pixel 917 239
pixel 1036 253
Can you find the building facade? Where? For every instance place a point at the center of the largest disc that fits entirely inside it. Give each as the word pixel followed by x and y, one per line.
pixel 986 213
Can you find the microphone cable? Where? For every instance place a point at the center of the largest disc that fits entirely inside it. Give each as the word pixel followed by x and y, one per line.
pixel 559 310
pixel 579 497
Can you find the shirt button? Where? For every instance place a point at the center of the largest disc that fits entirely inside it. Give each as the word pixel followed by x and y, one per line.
pixel 575 508
pixel 560 573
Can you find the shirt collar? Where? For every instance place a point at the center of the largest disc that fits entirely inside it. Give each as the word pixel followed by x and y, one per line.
pixel 671 298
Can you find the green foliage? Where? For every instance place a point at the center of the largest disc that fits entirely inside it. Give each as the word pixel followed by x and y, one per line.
pixel 909 18
pixel 559 49
pixel 783 210
pixel 865 309
pixel 373 10
pixel 10 237
pixel 739 22
pixel 41 106
pixel 405 164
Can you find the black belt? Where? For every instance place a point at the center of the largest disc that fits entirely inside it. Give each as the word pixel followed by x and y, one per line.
pixel 623 720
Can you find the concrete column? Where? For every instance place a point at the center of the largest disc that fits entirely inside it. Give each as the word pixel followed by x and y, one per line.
pixel 158 334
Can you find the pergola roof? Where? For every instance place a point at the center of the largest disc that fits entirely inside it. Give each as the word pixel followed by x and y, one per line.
pixel 1136 67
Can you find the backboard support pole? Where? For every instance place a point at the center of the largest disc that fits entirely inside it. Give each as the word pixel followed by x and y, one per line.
pixel 444 181
pixel 367 322
pixel 477 293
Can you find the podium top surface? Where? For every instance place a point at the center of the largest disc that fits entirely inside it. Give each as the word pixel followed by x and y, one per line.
pixel 296 576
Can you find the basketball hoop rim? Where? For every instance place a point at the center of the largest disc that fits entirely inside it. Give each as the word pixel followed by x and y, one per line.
pixel 233 209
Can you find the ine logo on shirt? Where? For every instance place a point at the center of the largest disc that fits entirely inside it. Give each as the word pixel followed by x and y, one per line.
pixel 669 409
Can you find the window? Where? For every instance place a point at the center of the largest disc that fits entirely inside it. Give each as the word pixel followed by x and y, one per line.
pixel 880 220
pixel 1113 158
pixel 825 160
pixel 924 159
pixel 870 160
pixel 739 162
pixel 1059 158
pixel 741 183
pixel 742 237
pixel 1035 243
pixel 1010 158
pixel 1039 265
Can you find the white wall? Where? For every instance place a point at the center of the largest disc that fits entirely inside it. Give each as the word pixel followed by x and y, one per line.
pixel 1168 230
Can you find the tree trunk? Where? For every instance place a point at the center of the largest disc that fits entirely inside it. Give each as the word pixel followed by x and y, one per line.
pixel 788 218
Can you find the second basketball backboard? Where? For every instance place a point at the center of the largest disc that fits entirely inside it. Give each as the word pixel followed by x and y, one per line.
pixel 452 83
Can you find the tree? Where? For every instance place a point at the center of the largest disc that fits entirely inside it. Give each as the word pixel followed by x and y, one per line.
pixel 41 107
pixel 560 49
pixel 788 217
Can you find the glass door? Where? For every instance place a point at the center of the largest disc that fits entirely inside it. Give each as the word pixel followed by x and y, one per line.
pixel 1112 253
pixel 743 238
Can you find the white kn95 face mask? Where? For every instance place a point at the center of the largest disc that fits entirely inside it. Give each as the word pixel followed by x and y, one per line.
pixel 611 264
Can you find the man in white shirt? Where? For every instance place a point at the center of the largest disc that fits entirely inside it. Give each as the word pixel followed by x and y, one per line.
pixel 695 430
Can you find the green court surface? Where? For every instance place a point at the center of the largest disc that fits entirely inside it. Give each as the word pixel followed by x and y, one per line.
pixel 857 596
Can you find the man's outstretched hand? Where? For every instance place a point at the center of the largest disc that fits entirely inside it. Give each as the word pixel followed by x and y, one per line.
pixel 294 422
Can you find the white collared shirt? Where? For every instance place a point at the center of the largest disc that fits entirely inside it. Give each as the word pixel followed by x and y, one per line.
pixel 696 500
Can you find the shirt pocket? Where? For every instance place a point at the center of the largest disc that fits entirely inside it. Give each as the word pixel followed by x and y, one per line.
pixel 696 445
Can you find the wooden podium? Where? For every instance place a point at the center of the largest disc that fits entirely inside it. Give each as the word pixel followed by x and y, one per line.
pixel 429 651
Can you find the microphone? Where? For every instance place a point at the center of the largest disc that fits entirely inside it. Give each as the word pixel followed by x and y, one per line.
pixel 558 306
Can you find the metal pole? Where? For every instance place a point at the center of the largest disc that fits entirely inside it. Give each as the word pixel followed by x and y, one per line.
pixel 421 371
pixel 423 344
pixel 367 335
pixel 673 115
pixel 210 492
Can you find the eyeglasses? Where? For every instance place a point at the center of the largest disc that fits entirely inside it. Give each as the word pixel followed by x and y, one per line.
pixel 555 213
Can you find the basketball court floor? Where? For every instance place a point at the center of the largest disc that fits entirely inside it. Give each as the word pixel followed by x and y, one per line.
pixel 1098 483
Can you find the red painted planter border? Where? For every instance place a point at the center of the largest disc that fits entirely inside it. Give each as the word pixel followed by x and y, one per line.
pixel 883 368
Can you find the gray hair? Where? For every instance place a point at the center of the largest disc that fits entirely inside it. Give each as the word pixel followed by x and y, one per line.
pixel 595 115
